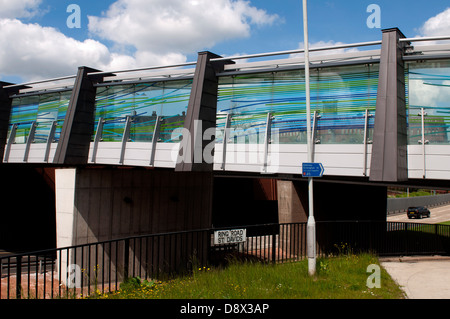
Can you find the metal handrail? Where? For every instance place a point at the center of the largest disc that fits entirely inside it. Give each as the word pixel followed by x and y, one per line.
pixel 436 38
pixel 41 81
pixel 239 57
pixel 332 47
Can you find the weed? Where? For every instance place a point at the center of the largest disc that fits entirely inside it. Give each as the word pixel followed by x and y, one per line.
pixel 342 276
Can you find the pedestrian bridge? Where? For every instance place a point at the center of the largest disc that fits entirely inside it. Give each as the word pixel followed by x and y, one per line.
pixel 381 110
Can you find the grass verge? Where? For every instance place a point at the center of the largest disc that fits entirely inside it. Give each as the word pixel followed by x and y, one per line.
pixel 337 277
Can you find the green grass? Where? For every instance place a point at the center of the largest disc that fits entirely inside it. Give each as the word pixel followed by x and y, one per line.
pixel 336 277
pixel 411 194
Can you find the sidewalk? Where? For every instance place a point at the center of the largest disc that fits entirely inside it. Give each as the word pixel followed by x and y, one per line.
pixel 425 277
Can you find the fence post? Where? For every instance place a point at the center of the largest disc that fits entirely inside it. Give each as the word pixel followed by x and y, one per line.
pixel 436 241
pixel 19 277
pixel 274 243
pixel 126 258
pixel 406 238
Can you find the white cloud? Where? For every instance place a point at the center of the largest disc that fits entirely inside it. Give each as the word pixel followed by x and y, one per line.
pixel 174 27
pixel 428 95
pixel 422 94
pixel 44 52
pixel 19 8
pixel 438 25
pixel 159 32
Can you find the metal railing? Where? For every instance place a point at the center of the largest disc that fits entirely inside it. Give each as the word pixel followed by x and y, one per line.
pixel 382 238
pixel 101 267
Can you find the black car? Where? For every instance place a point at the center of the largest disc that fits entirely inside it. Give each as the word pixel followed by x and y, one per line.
pixel 418 212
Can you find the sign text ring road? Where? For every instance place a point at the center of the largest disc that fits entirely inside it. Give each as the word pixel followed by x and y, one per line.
pixel 230 236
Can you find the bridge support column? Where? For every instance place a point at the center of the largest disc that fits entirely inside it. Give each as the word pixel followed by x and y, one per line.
pixel 292 208
pixel 292 202
pixel 97 204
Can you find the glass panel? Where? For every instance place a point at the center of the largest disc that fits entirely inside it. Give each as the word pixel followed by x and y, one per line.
pixel 248 98
pixel 428 87
pixel 220 127
pixel 48 112
pixel 343 95
pixel 148 101
pixel 340 95
pixel 144 102
pixel 113 104
pixel 174 107
pixel 62 110
pixel 289 108
pixel 23 113
pixel 43 109
pixel 248 129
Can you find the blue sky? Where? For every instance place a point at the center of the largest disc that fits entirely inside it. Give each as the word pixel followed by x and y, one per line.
pixel 36 41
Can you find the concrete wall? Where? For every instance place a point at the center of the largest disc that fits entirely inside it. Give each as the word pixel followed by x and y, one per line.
pixel 100 204
pixel 292 203
pixel 397 205
pixel 97 204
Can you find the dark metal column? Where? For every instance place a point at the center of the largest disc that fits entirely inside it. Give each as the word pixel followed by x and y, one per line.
pixel 76 133
pixel 389 152
pixel 201 114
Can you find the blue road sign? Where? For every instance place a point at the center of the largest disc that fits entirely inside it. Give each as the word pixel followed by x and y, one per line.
pixel 312 170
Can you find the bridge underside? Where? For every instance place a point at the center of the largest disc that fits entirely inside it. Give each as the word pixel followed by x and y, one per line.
pixel 92 203
pixel 66 205
pixel 28 220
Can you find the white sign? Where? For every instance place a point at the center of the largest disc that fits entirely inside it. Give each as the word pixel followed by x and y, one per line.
pixel 230 236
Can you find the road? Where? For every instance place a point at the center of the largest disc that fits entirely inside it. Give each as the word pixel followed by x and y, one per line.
pixel 438 215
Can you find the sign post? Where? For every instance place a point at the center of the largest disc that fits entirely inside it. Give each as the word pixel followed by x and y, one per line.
pixel 311 224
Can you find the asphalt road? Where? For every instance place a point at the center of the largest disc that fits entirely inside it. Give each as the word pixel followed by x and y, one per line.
pixel 438 215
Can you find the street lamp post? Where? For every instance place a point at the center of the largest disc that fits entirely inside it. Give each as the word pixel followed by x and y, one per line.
pixel 311 224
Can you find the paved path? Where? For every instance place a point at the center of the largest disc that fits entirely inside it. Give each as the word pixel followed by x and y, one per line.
pixel 420 277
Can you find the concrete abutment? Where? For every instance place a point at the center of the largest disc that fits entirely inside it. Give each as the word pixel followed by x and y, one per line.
pixel 99 204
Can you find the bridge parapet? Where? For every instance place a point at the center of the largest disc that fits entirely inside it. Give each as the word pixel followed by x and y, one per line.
pixel 138 119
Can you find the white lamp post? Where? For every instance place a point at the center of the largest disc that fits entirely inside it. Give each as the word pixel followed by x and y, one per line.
pixel 311 224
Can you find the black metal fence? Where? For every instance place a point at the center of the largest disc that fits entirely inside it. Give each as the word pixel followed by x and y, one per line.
pixel 382 238
pixel 101 267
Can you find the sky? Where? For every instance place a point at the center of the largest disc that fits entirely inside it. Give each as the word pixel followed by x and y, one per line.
pixel 42 39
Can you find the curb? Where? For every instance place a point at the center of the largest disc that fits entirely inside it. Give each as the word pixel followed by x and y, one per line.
pixel 412 259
